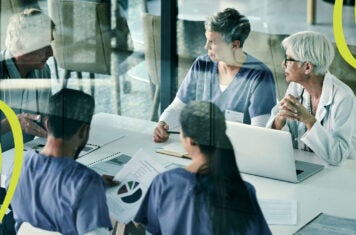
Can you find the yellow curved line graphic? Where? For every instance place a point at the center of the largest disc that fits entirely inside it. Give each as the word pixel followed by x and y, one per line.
pixel 339 34
pixel 19 146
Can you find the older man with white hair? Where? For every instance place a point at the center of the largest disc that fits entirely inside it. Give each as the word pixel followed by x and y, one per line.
pixel 28 47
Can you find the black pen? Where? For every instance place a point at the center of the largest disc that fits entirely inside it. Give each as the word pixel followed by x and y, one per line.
pixel 173 132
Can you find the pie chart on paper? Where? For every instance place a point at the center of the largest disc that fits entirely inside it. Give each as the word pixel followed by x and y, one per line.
pixel 130 192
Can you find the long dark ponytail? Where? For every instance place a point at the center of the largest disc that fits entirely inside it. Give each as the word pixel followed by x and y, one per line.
pixel 230 207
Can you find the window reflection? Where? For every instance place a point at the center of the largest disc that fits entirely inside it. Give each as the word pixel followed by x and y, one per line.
pixel 83 43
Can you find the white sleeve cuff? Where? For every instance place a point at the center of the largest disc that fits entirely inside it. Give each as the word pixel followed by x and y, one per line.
pixel 260 120
pixel 172 112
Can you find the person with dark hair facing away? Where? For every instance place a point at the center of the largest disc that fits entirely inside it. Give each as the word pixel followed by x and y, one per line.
pixel 208 196
pixel 55 192
pixel 239 84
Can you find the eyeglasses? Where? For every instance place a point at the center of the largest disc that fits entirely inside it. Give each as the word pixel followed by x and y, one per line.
pixel 289 59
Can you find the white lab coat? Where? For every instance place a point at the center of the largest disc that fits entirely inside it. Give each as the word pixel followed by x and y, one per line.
pixel 333 136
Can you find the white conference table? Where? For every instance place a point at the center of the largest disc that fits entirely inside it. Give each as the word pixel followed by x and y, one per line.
pixel 332 191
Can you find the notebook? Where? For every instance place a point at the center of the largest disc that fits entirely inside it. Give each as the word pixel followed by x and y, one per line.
pixel 175 149
pixel 268 153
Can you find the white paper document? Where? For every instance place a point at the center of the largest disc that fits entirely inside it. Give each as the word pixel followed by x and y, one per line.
pixel 111 165
pixel 328 224
pixel 135 178
pixel 97 139
pixel 39 143
pixel 101 134
pixel 279 212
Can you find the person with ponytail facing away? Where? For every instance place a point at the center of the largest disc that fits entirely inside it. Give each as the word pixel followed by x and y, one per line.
pixel 208 196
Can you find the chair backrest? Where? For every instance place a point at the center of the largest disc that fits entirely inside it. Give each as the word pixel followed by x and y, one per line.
pixel 151 26
pixel 267 48
pixel 342 70
pixel 26 229
pixel 190 44
pixel 83 34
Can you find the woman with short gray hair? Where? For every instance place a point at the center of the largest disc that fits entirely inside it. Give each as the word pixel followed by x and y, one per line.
pixel 229 25
pixel 238 83
pixel 319 110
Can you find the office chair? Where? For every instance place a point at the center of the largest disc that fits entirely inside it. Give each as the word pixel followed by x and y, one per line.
pixel 83 38
pixel 152 43
pixel 267 48
pixel 190 44
pixel 342 70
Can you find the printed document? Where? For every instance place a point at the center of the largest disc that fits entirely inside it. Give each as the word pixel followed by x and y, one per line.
pixel 282 212
pixel 329 224
pixel 135 178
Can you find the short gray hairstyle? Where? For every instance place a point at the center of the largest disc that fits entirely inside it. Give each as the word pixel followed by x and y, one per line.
pixel 28 31
pixel 230 24
pixel 313 47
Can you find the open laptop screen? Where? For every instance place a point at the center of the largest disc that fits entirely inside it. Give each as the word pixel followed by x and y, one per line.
pixel 264 152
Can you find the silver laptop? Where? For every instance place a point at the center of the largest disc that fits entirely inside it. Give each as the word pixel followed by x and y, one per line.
pixel 268 153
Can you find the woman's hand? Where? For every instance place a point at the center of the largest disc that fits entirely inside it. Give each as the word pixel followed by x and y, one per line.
pixel 291 108
pixel 160 133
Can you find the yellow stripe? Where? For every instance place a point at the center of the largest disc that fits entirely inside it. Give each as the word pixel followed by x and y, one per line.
pixel 339 34
pixel 18 158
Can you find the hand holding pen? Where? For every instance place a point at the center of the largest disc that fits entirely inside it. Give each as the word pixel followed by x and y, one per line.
pixel 173 132
pixel 160 133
